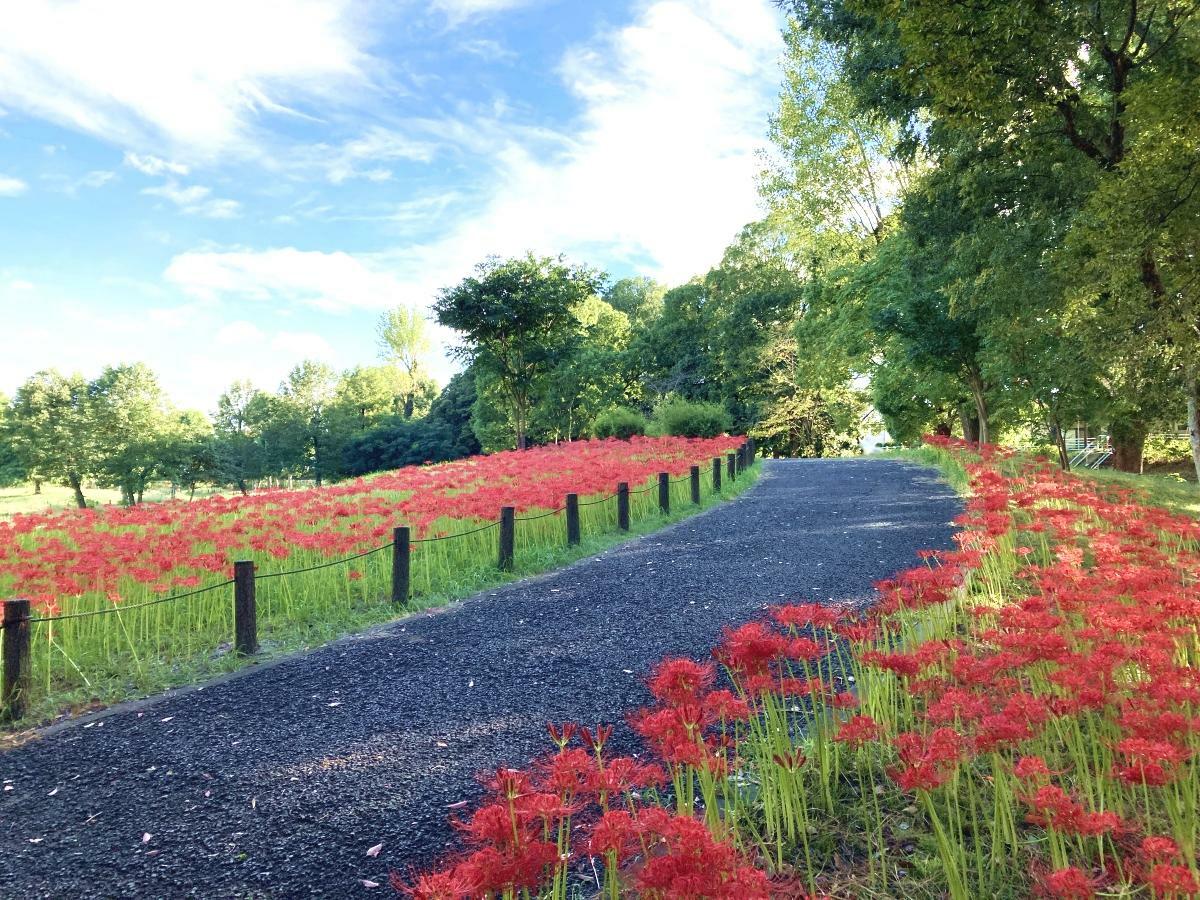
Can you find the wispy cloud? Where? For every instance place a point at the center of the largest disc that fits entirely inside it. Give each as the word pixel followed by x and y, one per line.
pixel 334 282
pixel 194 79
pixel 367 155
pixel 457 11
pixel 487 49
pixel 149 164
pixel 195 200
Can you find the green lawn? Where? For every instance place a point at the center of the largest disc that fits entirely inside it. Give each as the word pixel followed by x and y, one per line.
pixel 1159 490
pixel 22 499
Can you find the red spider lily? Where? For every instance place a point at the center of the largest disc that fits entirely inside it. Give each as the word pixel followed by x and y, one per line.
pixel 561 736
pixel 1071 883
pixel 688 861
pixel 680 680
pixel 1173 881
pixel 858 731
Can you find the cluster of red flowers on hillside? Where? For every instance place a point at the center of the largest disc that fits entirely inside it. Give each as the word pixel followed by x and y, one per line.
pixel 174 545
pixel 1034 692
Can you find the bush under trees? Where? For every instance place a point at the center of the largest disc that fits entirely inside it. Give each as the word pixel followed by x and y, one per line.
pixel 619 422
pixel 683 418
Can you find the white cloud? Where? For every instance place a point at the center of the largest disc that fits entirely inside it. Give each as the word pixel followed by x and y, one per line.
pixel 20 284
pixel 11 187
pixel 459 10
pixel 194 78
pixel 659 170
pixel 334 282
pixel 96 179
pixel 360 158
pixel 196 200
pixel 154 165
pixel 487 49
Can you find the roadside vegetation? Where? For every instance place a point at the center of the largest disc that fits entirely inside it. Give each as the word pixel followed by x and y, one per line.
pixel 106 624
pixel 1012 718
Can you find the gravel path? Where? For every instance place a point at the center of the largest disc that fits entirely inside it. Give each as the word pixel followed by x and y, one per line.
pixel 274 784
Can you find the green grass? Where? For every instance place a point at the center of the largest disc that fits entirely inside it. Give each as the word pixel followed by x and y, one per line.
pixel 21 498
pixel 1166 491
pixel 87 663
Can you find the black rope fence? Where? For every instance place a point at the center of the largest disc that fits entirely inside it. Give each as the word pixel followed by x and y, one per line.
pixel 121 607
pixel 450 537
pixel 324 565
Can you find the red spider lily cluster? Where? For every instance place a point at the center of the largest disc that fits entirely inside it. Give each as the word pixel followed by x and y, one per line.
pixel 168 546
pixel 1027 704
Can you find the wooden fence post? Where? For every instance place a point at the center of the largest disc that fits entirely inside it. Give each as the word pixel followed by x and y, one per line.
pixel 664 492
pixel 731 466
pixel 245 616
pixel 401 564
pixel 17 678
pixel 694 472
pixel 508 527
pixel 623 505
pixel 717 474
pixel 572 519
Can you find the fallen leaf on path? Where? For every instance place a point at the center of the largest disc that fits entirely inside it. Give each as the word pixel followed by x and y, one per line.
pixel 36 840
pixel 167 719
pixel 368 883
pixel 52 793
pixel 146 837
pixel 459 805
pixel 374 851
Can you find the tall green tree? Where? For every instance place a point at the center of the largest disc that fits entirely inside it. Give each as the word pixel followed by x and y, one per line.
pixel 516 321
pixel 130 415
pixel 306 398
pixel 404 342
pixel 52 432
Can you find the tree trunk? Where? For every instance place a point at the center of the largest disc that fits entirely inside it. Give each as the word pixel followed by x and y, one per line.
pixel 1193 408
pixel 970 426
pixel 77 486
pixel 1060 443
pixel 241 486
pixel 37 485
pixel 140 493
pixel 410 401
pixel 981 410
pixel 1128 441
pixel 317 460
pixel 943 429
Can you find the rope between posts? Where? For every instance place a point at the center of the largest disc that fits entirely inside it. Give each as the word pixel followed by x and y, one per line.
pixel 545 515
pixel 324 565
pixel 447 537
pixel 116 607
pixel 598 500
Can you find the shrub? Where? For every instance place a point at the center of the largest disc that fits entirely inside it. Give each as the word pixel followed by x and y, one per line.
pixel 683 418
pixel 619 422
pixel 1163 448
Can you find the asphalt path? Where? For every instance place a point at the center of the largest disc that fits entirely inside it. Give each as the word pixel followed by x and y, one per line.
pixel 275 783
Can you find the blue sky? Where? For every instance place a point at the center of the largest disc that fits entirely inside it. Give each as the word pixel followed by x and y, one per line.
pixel 222 188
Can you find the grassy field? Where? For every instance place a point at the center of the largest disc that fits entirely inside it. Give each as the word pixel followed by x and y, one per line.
pixel 21 498
pixel 1157 490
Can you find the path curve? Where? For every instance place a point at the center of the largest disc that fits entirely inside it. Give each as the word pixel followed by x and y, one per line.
pixel 276 783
